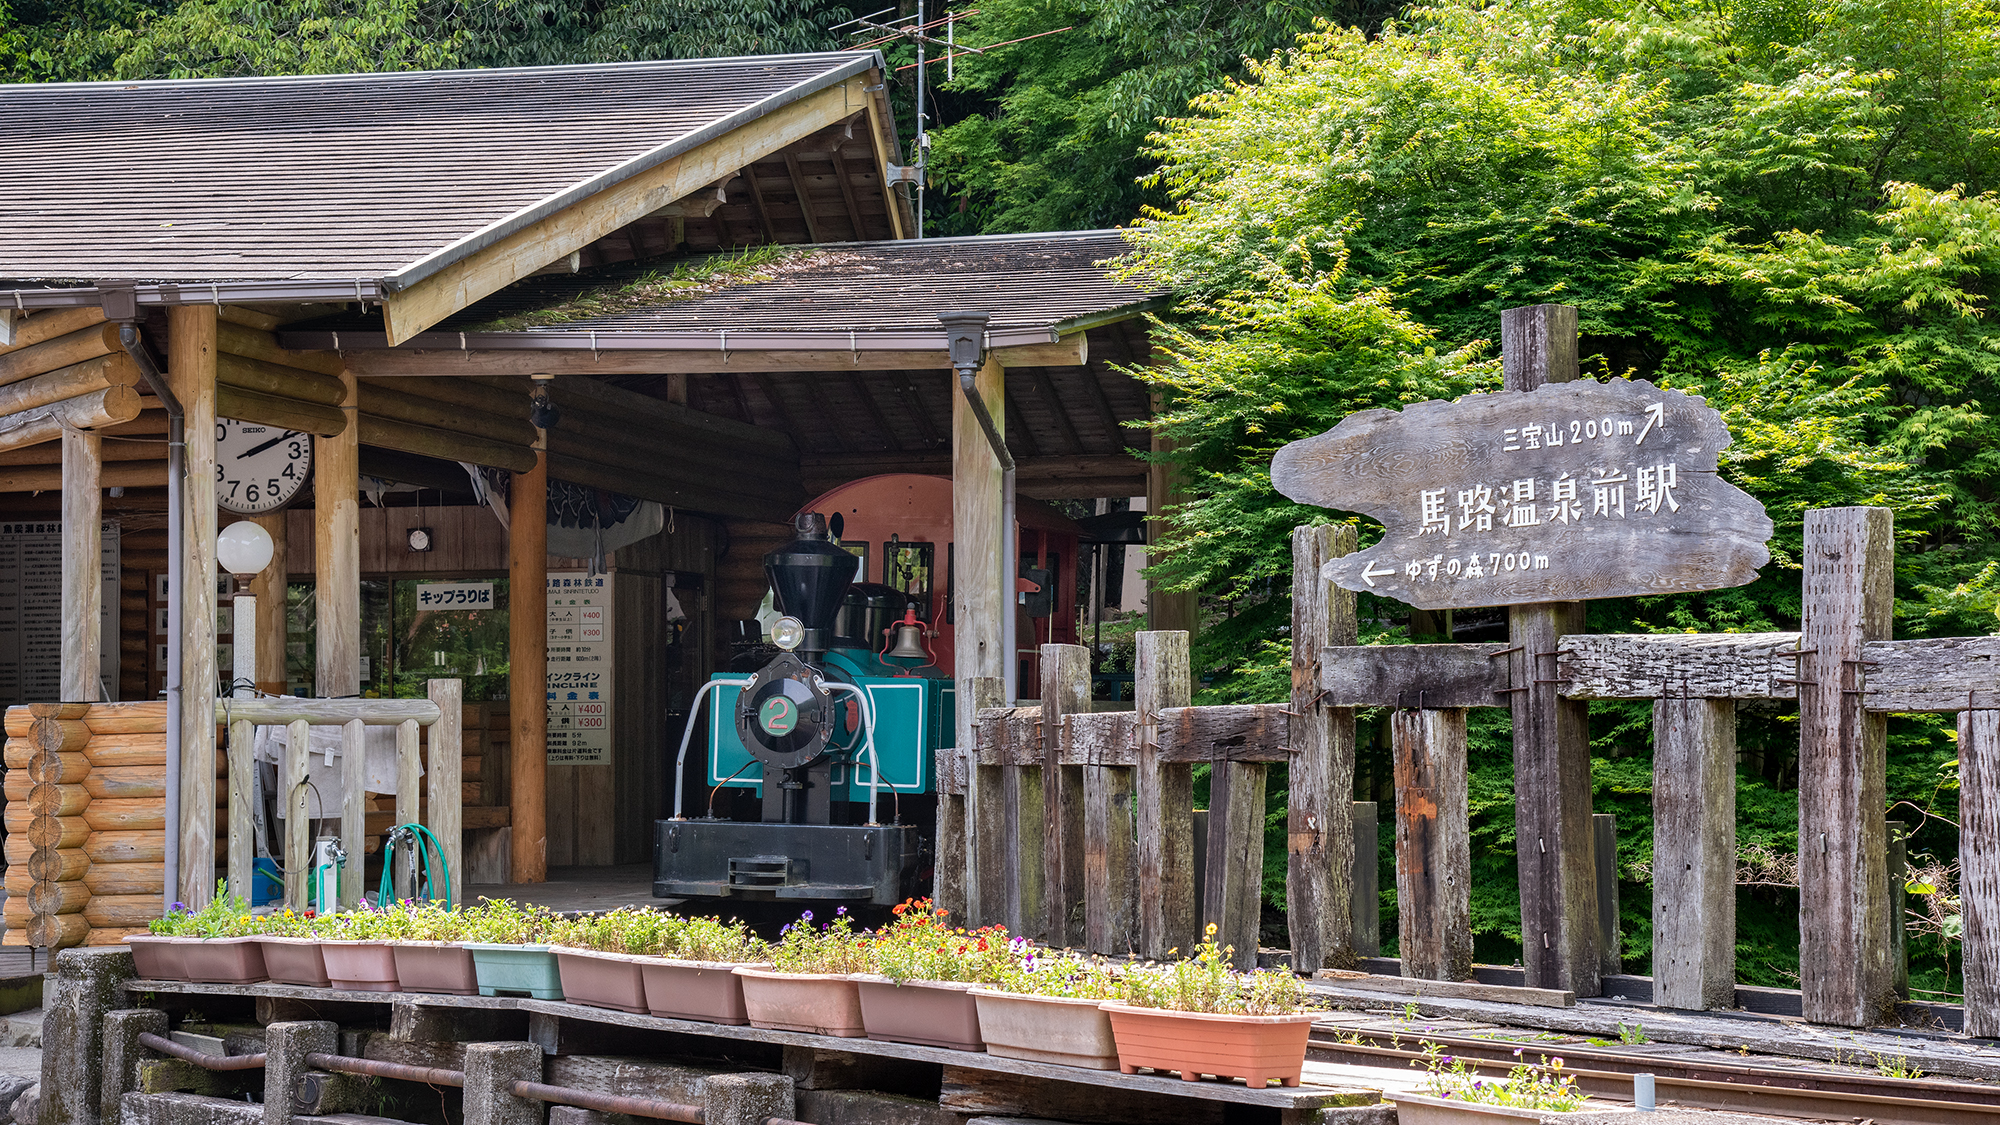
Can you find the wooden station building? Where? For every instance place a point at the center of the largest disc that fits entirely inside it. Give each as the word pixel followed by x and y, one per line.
pixel 392 268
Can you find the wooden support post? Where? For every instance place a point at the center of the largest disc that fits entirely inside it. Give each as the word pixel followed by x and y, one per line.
pixel 1604 847
pixel 337 557
pixel 403 876
pixel 446 768
pixel 1233 876
pixel 1979 867
pixel 82 566
pixel 1366 903
pixel 1694 853
pixel 1065 691
pixel 978 599
pixel 269 590
pixel 242 797
pixel 353 811
pixel 298 826
pixel 1319 841
pixel 191 373
pixel 1165 798
pixel 1433 847
pixel 528 668
pixel 1849 593
pixel 1551 734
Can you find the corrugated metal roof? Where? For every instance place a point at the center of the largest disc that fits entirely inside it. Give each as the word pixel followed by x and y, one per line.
pixel 1032 285
pixel 348 176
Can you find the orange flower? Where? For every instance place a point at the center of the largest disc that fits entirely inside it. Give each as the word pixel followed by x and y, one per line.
pixel 899 908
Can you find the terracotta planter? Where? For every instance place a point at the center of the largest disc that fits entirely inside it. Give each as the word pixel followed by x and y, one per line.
pixel 602 980
pixel 443 967
pixel 157 957
pixel 707 991
pixel 808 1002
pixel 1048 1029
pixel 360 966
pixel 1422 1109
pixel 516 970
pixel 927 1012
pixel 1253 1048
pixel 234 960
pixel 294 960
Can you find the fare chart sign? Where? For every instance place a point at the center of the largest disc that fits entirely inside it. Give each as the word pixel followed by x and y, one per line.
pixel 1568 492
pixel 580 665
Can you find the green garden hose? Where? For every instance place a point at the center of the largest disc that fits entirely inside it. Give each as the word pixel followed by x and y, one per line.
pixel 420 838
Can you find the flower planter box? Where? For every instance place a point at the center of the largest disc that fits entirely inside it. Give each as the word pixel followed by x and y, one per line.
pixel 156 957
pixel 602 980
pixel 295 960
pixel 1253 1048
pixel 443 967
pixel 237 960
pixel 516 970
pixel 360 966
pixel 807 1002
pixel 1422 1109
pixel 1047 1029
pixel 930 1013
pixel 706 991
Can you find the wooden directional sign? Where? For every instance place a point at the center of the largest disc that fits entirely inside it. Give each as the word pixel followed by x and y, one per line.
pixel 1571 491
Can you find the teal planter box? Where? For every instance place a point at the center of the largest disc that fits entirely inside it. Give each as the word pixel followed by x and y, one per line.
pixel 516 970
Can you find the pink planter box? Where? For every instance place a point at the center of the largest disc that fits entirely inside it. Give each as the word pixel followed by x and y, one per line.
pixel 443 967
pixel 159 958
pixel 807 1002
pixel 360 966
pixel 238 960
pixel 930 1013
pixel 707 991
pixel 601 980
pixel 1253 1048
pixel 295 960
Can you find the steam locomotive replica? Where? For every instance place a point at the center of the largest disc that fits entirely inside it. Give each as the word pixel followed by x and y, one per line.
pixel 818 777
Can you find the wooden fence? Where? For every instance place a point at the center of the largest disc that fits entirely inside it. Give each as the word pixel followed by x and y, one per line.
pixel 1077 826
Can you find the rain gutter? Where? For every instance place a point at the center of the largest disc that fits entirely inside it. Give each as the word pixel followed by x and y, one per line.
pixel 702 340
pixel 193 293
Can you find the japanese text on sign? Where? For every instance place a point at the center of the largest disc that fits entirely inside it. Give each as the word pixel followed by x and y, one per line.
pixel 579 675
pixel 454 595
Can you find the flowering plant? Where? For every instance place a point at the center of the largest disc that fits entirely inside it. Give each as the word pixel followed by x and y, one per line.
pixel 1206 983
pixel 647 932
pixel 502 921
pixel 1063 974
pixel 1528 1086
pixel 225 915
pixel 285 923
pixel 918 944
pixel 833 948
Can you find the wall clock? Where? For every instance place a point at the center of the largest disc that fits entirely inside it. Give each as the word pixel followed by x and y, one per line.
pixel 259 468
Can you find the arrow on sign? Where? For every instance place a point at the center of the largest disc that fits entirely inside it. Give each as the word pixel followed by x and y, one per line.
pixel 1369 574
pixel 1655 415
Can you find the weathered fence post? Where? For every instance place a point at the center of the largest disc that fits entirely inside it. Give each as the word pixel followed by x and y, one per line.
pixel 1979 867
pixel 298 828
pixel 1110 861
pixel 948 884
pixel 1604 845
pixel 444 771
pixel 1843 886
pixel 1366 901
pixel 353 811
pixel 1233 875
pixel 242 798
pixel 985 890
pixel 1021 813
pixel 1165 793
pixel 1319 841
pixel 1551 734
pixel 1694 853
pixel 1433 848
pixel 1065 691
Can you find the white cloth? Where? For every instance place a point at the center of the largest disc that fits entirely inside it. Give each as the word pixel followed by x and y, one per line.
pixel 323 761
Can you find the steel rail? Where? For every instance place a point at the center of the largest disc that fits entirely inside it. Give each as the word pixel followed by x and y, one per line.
pixel 1721 1086
pixel 202 1059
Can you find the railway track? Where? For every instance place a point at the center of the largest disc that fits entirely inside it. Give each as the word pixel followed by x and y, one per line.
pixel 1700 1084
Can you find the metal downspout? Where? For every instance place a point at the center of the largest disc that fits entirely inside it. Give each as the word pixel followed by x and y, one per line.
pixel 128 335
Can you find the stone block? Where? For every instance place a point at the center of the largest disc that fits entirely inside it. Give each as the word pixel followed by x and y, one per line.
pixel 286 1045
pixel 866 1107
pixel 745 1099
pixel 122 1053
pixel 86 986
pixel 490 1068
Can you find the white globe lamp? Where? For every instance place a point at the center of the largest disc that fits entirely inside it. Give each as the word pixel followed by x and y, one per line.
pixel 244 550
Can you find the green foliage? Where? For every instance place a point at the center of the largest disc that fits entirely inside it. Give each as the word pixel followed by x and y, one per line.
pixel 1527 1086
pixel 224 916
pixel 1206 983
pixel 832 948
pixel 656 933
pixel 1063 974
pixel 919 944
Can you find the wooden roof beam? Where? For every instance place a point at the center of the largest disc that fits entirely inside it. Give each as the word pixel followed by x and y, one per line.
pixel 805 197
pixel 1070 351
pixel 410 311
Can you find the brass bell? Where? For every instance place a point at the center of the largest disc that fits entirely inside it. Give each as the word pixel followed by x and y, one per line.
pixel 909 642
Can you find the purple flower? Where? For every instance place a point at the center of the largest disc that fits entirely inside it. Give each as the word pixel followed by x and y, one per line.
pixel 837 913
pixel 806 917
pixel 181 906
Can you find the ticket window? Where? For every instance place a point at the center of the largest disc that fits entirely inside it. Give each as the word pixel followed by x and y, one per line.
pixel 405 645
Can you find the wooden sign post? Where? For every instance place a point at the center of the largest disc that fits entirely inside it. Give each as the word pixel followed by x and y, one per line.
pixel 1538 497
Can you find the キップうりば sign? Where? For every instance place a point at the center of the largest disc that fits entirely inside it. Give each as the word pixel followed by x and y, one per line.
pixel 1568 492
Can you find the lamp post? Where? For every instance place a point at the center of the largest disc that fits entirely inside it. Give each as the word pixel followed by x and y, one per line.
pixel 244 550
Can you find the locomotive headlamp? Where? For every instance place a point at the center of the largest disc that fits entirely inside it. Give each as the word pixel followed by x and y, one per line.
pixel 787 632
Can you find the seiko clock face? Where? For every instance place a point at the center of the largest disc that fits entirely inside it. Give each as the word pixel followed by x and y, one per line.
pixel 259 468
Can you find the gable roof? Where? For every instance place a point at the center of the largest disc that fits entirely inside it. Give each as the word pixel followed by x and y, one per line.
pixel 381 179
pixel 859 295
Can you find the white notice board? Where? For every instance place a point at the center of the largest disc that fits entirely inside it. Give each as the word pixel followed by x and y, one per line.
pixel 31 612
pixel 579 668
